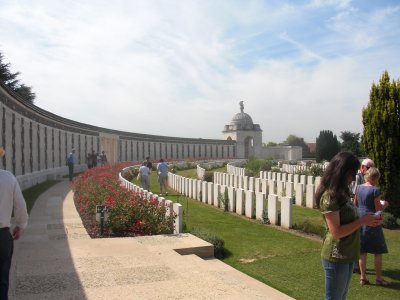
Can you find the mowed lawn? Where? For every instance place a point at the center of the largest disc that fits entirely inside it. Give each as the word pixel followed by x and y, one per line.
pixel 281 259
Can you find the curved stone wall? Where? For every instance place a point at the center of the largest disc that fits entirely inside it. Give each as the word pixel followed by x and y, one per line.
pixel 37 142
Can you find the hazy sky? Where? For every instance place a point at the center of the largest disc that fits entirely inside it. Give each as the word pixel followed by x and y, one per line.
pixel 180 68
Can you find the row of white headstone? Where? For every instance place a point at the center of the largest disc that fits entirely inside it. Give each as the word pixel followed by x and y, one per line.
pixel 271 183
pixel 243 202
pixel 171 207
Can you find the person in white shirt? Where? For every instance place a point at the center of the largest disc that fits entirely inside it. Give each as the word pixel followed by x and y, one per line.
pixel 144 172
pixel 11 199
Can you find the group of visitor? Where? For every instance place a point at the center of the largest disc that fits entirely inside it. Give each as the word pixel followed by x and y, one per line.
pixel 162 171
pixel 94 159
pixel 353 215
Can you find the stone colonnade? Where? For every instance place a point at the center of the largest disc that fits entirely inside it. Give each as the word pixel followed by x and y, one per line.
pixel 37 142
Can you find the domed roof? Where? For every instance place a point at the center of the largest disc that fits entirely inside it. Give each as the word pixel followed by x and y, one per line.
pixel 241 119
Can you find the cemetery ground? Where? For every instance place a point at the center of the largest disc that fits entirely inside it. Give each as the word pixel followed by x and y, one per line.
pixel 282 259
pixel 279 258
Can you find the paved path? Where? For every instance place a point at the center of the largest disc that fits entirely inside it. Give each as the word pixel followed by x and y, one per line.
pixel 56 259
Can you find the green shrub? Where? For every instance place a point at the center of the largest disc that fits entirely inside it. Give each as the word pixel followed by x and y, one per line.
pixel 217 242
pixel 223 200
pixel 254 166
pixel 308 227
pixel 389 221
pixel 316 170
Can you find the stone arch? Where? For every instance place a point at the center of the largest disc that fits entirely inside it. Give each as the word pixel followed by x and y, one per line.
pixel 249 147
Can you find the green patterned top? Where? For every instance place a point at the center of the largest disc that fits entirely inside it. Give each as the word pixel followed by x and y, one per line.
pixel 346 249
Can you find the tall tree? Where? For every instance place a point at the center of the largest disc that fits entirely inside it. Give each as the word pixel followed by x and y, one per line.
pixel 381 138
pixel 351 142
pixel 327 145
pixel 11 80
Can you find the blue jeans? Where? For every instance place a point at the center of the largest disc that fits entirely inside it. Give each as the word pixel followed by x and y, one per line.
pixel 337 279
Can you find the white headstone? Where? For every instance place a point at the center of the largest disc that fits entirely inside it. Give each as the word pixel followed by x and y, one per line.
pixel 286 212
pixel 249 210
pixel 299 194
pixel 273 209
pixel 260 205
pixel 239 201
pixel 310 196
pixel 232 198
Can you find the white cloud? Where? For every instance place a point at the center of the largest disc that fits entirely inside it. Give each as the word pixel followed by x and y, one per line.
pixel 180 69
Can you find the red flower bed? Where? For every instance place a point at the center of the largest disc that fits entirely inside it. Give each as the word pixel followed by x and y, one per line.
pixel 128 213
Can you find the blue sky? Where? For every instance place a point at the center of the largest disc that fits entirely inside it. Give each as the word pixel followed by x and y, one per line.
pixel 180 68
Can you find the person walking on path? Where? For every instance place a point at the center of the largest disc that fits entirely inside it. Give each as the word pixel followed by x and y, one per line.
pixel 144 174
pixel 368 200
pixel 71 162
pixel 162 170
pixel 341 245
pixel 11 200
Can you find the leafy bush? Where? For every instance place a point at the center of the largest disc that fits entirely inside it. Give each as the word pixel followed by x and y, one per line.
pixel 128 212
pixel 217 242
pixel 389 221
pixel 254 166
pixel 316 170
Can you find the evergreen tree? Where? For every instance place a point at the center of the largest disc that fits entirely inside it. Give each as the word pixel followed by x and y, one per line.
pixel 381 139
pixel 351 142
pixel 11 80
pixel 327 145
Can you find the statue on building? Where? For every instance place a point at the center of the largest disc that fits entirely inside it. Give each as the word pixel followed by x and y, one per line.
pixel 241 106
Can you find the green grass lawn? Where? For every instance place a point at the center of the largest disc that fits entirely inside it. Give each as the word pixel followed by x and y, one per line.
pixel 285 261
pixel 32 193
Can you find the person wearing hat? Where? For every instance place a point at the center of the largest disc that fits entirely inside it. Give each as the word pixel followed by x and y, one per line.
pixel 71 162
pixel 365 165
pixel 11 200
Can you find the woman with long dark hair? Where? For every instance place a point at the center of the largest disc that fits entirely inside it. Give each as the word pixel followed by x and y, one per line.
pixel 341 246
